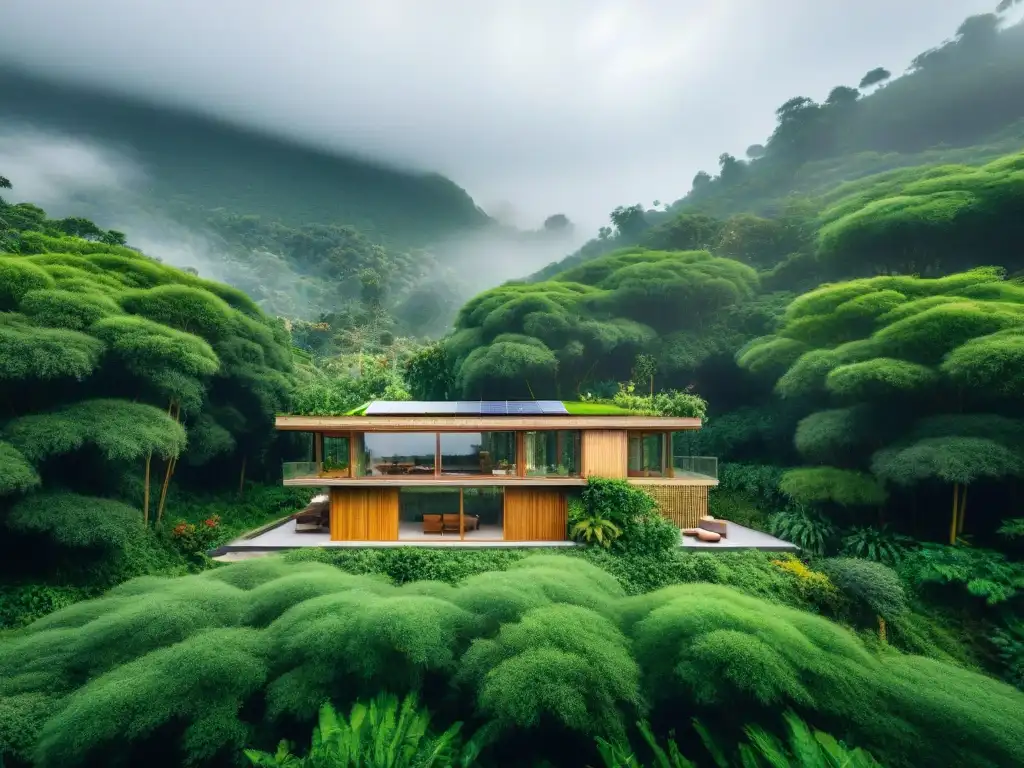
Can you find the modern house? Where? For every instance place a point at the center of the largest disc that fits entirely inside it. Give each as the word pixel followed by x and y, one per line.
pixel 488 471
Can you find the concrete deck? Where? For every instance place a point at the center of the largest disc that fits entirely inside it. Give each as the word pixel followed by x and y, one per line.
pixel 741 537
pixel 284 537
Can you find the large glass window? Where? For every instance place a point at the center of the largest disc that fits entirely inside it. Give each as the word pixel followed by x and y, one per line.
pixel 554 453
pixel 647 454
pixel 335 459
pixel 478 453
pixel 397 453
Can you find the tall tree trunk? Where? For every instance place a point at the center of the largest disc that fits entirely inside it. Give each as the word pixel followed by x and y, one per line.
pixel 963 508
pixel 171 463
pixel 241 476
pixel 145 491
pixel 956 502
pixel 881 631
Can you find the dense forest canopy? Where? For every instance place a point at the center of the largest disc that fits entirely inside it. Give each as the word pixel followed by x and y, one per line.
pixel 849 299
pixel 118 375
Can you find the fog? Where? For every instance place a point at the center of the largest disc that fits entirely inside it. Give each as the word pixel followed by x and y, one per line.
pixel 534 107
pixel 70 177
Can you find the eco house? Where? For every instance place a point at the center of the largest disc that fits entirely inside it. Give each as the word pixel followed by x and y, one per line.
pixel 488 470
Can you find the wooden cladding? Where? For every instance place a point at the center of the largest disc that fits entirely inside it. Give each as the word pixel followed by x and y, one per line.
pixel 605 452
pixel 364 514
pixel 534 514
pixel 684 505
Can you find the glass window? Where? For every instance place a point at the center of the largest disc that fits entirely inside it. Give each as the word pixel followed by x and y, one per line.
pixel 554 453
pixel 646 454
pixel 397 453
pixel 335 458
pixel 478 453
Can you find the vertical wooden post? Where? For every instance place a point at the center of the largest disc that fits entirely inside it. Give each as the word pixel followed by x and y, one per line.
pixel 462 514
pixel 352 454
pixel 520 454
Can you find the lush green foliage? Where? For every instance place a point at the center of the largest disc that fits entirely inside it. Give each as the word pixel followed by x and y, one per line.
pixel 383 734
pixel 192 669
pixel 117 371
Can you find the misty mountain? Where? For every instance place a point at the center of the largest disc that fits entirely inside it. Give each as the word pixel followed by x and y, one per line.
pixel 959 102
pixel 193 166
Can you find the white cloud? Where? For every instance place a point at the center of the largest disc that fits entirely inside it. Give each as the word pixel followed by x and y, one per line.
pixel 556 105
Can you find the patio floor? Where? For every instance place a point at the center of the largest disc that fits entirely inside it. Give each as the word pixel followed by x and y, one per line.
pixel 285 536
pixel 741 537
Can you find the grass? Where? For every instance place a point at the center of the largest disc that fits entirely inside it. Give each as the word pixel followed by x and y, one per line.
pixel 579 408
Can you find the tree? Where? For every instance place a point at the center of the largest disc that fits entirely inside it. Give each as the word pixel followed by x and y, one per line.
pixel 755 151
pixel 5 183
pixel 873 77
pixel 629 220
pixel 916 365
pixel 700 180
pixel 559 222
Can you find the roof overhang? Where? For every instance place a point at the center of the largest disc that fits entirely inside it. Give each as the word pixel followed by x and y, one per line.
pixel 479 423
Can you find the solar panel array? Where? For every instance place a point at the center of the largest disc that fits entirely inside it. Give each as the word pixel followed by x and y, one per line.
pixel 467 408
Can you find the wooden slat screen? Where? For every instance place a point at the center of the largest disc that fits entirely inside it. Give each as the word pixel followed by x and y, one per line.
pixel 684 505
pixel 605 452
pixel 533 514
pixel 364 514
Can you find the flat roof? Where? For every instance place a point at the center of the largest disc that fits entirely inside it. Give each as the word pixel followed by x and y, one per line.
pixel 489 408
pixel 478 423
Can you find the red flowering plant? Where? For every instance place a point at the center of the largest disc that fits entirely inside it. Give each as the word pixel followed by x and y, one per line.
pixel 196 537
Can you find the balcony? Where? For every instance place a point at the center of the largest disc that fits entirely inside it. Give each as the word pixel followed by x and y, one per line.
pixel 299 470
pixel 695 467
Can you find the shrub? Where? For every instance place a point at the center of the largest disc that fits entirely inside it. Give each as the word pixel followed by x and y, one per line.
pixel 547 654
pixel 816 587
pixel 190 538
pixel 808 530
pixel 877 544
pixel 651 534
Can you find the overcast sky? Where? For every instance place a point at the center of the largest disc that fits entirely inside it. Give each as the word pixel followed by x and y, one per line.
pixel 549 105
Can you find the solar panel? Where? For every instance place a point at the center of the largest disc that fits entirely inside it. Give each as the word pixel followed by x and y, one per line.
pixel 524 408
pixel 440 408
pixel 465 408
pixel 552 407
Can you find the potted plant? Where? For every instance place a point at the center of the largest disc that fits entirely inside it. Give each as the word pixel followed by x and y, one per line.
pixel 331 467
pixel 503 468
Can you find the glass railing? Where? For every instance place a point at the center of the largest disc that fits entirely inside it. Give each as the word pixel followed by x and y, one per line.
pixel 697 467
pixel 299 470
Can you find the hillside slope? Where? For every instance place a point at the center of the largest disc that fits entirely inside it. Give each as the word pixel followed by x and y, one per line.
pixel 960 102
pixel 195 166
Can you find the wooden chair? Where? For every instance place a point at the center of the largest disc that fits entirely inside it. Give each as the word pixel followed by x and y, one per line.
pixel 451 523
pixel 432 524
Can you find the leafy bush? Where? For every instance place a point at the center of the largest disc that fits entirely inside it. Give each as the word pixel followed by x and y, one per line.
pixel 190 538
pixel 383 734
pixel 978 573
pixel 802 747
pixel 546 654
pixel 809 530
pixel 874 591
pixel 1009 643
pixel 816 587
pixel 878 544
pixel 617 513
pixel 651 534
